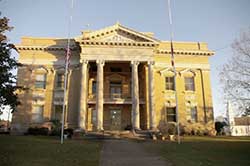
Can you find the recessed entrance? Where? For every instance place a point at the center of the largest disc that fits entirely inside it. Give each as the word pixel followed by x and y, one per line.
pixel 115 119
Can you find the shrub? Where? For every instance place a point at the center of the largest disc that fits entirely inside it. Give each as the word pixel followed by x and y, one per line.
pixel 69 132
pixel 128 127
pixel 55 128
pixel 38 131
pixel 167 128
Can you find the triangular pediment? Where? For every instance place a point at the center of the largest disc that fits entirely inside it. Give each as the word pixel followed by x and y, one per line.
pixel 118 33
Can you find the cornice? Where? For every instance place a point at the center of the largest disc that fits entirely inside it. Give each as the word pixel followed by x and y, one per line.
pixel 104 43
pixel 186 52
pixel 44 48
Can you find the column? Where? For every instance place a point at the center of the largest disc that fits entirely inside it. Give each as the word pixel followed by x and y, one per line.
pixel 152 122
pixel 99 97
pixel 135 96
pixel 83 97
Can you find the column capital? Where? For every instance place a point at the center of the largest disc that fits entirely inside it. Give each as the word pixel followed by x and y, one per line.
pixel 151 62
pixel 100 62
pixel 136 63
pixel 85 62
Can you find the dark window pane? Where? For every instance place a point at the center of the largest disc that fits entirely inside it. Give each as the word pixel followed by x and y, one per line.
pixel 115 89
pixel 58 112
pixel 189 83
pixel 194 114
pixel 60 81
pixel 169 83
pixel 115 69
pixel 40 81
pixel 171 114
pixel 93 87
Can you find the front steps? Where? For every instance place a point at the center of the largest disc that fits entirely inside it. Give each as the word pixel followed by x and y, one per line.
pixel 137 135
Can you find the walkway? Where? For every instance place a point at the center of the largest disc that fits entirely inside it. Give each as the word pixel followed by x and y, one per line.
pixel 128 153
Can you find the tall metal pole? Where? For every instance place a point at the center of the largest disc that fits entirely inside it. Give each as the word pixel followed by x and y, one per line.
pixel 173 65
pixel 66 73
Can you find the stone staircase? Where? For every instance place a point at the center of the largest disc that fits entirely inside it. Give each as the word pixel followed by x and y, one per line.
pixel 136 135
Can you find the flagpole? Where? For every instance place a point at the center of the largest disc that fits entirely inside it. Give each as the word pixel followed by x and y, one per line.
pixel 66 72
pixel 174 69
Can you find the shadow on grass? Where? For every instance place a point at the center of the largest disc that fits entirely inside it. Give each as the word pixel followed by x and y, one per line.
pixel 42 150
pixel 207 151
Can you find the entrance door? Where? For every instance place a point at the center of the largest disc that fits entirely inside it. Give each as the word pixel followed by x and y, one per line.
pixel 115 119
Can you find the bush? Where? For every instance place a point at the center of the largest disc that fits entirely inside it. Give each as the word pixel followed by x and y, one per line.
pixel 167 128
pixel 128 127
pixel 55 128
pixel 69 132
pixel 38 131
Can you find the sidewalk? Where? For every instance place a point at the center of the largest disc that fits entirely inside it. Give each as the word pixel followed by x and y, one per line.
pixel 128 153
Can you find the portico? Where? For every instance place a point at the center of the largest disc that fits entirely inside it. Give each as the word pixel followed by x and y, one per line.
pixel 116 87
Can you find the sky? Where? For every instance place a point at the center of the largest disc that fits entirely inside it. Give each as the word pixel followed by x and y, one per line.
pixel 217 22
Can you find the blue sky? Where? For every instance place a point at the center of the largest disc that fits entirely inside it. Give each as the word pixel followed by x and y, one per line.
pixel 217 22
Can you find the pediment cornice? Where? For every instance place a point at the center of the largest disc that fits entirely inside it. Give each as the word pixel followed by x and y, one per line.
pixel 117 34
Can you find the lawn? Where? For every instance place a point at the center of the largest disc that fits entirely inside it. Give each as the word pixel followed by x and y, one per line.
pixel 40 151
pixel 204 151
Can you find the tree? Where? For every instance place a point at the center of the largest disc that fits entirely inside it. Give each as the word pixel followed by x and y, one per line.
pixel 7 64
pixel 235 75
pixel 219 127
pixel 247 111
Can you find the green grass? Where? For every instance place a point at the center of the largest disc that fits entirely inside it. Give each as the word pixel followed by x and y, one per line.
pixel 204 151
pixel 41 151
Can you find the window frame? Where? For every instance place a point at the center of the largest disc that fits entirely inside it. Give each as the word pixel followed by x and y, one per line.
pixel 60 81
pixel 115 85
pixel 35 113
pixel 56 110
pixel 40 84
pixel 168 81
pixel 170 114
pixel 189 85
pixel 194 114
pixel 94 87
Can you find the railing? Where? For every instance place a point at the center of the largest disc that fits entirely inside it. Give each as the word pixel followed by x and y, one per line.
pixel 115 98
pixel 112 96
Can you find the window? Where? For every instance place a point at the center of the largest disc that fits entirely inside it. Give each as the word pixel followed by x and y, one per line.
pixel 40 81
pixel 94 116
pixel 115 89
pixel 60 80
pixel 94 87
pixel 58 112
pixel 115 69
pixel 193 111
pixel 169 83
pixel 171 114
pixel 37 114
pixel 189 84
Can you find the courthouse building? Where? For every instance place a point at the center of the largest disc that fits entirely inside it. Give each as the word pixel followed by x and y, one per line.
pixel 118 78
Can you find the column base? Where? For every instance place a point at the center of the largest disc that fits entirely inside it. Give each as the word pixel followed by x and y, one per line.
pixel 79 133
pixel 154 129
pixel 136 129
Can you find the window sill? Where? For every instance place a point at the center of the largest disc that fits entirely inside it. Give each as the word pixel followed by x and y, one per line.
pixel 168 91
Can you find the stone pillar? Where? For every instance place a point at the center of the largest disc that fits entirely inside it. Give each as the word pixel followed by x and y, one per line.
pixel 99 96
pixel 135 96
pixel 151 95
pixel 83 97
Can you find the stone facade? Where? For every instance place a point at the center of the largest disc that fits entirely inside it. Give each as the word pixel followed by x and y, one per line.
pixel 118 78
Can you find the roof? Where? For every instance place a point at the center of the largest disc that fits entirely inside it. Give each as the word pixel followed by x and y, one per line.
pixel 242 121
